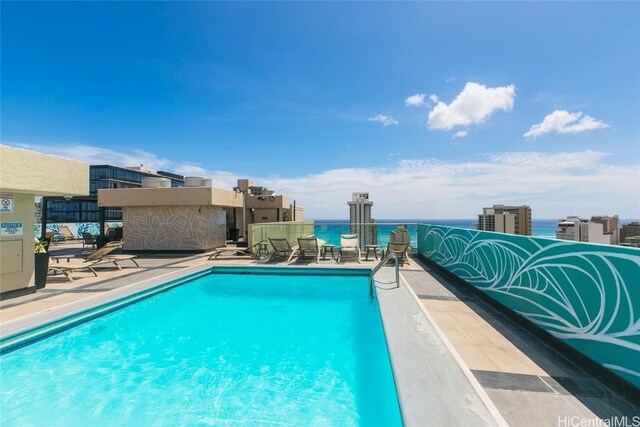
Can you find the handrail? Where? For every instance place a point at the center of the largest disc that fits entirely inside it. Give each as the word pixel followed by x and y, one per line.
pixel 375 269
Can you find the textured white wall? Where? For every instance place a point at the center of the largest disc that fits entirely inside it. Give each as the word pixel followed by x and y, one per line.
pixel 39 174
pixel 167 228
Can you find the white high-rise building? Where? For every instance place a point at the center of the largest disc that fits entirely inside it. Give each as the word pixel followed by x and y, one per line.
pixel 361 220
pixel 582 230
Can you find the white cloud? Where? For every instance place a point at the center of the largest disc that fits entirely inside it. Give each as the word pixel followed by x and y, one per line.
pixel 473 105
pixel 416 100
pixel 562 121
pixel 553 184
pixel 385 120
pixel 460 134
pixel 433 98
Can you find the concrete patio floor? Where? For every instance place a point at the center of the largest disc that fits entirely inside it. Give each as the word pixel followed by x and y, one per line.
pixel 529 383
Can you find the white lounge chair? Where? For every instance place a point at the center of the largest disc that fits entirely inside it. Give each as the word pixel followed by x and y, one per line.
pixel 349 246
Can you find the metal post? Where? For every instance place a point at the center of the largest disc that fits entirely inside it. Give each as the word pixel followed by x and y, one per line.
pixel 244 216
pixel 101 223
pixel 43 220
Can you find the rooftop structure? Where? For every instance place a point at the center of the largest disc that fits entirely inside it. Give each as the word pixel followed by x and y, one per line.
pixel 506 219
pixel 262 205
pixel 195 217
pixel 163 218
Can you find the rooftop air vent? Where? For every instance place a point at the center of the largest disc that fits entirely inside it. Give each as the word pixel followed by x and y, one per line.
pixel 197 181
pixel 155 182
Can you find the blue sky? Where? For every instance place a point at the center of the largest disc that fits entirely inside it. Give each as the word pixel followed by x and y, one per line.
pixel 436 109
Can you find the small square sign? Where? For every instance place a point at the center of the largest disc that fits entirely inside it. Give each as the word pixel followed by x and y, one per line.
pixel 6 203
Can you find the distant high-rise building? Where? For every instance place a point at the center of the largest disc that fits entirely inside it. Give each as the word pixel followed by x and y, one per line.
pixel 610 227
pixel 630 234
pixel 582 230
pixel 38 211
pixel 361 220
pixel 85 208
pixel 506 219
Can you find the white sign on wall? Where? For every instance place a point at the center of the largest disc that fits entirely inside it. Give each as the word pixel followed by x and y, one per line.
pixel 10 229
pixel 6 203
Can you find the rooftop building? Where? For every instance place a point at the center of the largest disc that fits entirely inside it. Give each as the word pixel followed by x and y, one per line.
pixel 506 219
pixel 196 217
pixel 262 206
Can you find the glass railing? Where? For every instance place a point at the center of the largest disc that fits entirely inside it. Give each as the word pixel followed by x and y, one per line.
pixel 287 230
pixel 369 234
pixel 379 234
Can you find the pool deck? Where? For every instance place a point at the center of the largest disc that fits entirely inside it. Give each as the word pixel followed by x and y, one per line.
pixel 457 360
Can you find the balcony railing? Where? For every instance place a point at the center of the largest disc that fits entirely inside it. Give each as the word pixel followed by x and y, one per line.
pixel 288 230
pixel 369 234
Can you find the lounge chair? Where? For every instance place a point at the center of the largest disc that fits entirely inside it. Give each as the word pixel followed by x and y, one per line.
pixel 104 254
pixel 66 233
pixel 88 240
pixel 72 265
pixel 307 246
pixel 91 260
pixel 282 247
pixel 349 246
pixel 400 249
pixel 254 251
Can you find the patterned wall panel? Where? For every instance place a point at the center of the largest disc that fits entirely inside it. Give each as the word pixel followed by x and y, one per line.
pixel 585 294
pixel 173 227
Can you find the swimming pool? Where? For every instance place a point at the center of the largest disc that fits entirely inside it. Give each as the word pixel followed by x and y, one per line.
pixel 223 349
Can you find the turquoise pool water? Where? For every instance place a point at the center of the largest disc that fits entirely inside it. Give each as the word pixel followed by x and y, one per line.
pixel 224 349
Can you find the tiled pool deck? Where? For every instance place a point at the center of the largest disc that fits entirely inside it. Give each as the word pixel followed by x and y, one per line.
pixel 527 381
